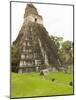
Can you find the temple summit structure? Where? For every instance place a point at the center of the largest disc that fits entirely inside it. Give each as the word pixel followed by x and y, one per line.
pixel 35 50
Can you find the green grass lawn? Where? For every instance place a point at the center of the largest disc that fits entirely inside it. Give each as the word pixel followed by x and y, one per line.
pixel 32 84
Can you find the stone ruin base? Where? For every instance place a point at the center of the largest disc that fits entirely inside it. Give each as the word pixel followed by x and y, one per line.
pixel 29 69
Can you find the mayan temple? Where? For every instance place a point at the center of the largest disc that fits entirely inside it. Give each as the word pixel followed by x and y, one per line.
pixel 35 50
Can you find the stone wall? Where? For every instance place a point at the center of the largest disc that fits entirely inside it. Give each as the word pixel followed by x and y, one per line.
pixel 33 18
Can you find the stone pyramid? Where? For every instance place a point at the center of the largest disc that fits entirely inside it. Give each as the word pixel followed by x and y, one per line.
pixel 35 49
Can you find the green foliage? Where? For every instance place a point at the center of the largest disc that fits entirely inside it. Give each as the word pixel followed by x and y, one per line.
pixel 64 51
pixel 67 52
pixel 14 57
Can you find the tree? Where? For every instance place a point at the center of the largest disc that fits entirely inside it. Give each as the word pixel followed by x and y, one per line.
pixel 14 57
pixel 57 42
pixel 66 54
pixel 64 51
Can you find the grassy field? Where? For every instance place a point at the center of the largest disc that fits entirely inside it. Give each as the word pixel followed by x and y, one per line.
pixel 32 84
